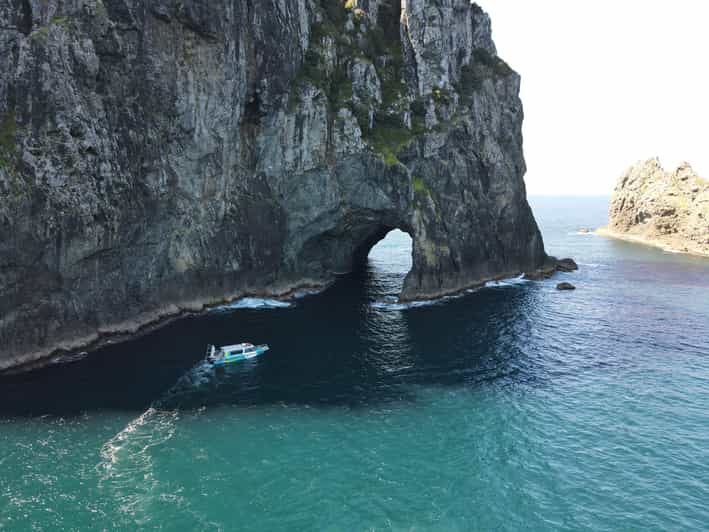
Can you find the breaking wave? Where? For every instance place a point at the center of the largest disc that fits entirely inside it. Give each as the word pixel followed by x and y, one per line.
pixel 391 302
pixel 253 303
pixel 514 281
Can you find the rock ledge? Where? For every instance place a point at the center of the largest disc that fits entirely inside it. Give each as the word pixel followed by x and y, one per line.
pixel 157 157
pixel 669 210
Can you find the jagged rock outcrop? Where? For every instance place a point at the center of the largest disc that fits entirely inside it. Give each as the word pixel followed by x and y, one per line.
pixel 156 156
pixel 664 209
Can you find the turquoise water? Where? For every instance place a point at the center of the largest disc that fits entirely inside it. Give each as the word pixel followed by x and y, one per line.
pixel 513 407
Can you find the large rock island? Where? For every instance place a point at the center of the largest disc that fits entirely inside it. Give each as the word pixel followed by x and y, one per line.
pixel 664 209
pixel 158 156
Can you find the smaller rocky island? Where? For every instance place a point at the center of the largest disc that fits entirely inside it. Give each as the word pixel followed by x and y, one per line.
pixel 663 209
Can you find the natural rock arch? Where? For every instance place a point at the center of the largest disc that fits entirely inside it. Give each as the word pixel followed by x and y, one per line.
pixel 260 146
pixel 455 244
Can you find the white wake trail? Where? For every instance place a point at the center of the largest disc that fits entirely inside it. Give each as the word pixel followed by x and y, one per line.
pixel 127 467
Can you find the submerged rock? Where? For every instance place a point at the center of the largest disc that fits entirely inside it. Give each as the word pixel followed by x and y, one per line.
pixel 566 265
pixel 565 286
pixel 159 156
pixel 664 209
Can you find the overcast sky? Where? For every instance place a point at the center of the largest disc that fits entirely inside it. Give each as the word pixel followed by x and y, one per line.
pixel 606 83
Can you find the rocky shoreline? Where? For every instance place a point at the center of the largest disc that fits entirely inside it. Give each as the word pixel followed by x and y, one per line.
pixel 655 243
pixel 667 210
pixel 258 143
pixel 142 325
pixel 149 323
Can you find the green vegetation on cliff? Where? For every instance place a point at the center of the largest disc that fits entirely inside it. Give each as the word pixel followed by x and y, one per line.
pixel 391 117
pixel 483 65
pixel 9 155
pixel 419 185
pixel 387 139
pixel 388 134
pixel 8 150
pixel 182 197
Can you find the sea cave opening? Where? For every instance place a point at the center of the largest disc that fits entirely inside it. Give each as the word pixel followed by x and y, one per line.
pixel 386 258
pixel 392 253
pixel 372 249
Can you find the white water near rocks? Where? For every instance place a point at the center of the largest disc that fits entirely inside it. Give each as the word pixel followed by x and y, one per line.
pixel 517 407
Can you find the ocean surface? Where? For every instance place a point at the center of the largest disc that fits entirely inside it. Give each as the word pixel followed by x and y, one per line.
pixel 514 407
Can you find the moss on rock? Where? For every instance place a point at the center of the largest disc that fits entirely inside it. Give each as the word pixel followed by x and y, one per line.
pixel 8 149
pixel 419 185
pixel 482 66
pixel 388 134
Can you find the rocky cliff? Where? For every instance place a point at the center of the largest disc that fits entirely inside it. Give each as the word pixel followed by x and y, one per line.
pixel 664 209
pixel 157 156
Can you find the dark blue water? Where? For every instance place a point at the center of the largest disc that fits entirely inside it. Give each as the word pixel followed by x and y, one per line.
pixel 515 406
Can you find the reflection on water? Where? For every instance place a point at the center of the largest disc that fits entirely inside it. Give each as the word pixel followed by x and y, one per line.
pixel 352 345
pixel 344 346
pixel 512 407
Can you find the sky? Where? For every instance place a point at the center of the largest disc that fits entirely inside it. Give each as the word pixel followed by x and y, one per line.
pixel 606 84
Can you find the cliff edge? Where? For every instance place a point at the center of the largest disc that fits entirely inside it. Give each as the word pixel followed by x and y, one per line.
pixel 664 209
pixel 157 156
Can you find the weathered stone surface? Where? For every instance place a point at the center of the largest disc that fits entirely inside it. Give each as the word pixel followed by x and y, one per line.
pixel 566 265
pixel 158 156
pixel 565 286
pixel 664 209
pixel 549 267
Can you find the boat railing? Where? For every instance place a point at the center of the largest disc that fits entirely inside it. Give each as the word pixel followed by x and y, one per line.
pixel 210 350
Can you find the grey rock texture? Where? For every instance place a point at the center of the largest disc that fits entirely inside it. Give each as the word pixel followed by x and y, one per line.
pixel 157 156
pixel 664 209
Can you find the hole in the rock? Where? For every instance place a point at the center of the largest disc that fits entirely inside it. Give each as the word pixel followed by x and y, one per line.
pixel 392 254
pixel 387 261
pixel 360 247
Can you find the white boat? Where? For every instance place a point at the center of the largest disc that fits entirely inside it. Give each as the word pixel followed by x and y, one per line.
pixel 227 354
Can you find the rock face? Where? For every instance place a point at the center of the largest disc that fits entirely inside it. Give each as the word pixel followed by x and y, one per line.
pixel 156 156
pixel 664 209
pixel 565 286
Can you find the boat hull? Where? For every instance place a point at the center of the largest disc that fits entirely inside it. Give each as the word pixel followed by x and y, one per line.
pixel 231 359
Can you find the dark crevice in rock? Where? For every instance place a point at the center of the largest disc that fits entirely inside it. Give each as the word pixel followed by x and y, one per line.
pixel 201 17
pixel 24 24
pixel 252 111
pixel 389 19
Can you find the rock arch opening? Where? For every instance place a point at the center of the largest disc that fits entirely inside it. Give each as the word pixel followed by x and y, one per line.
pixel 361 245
pixel 384 260
pixel 384 243
pixel 392 254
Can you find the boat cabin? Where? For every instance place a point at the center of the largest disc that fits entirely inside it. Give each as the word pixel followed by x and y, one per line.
pixel 238 349
pixel 232 353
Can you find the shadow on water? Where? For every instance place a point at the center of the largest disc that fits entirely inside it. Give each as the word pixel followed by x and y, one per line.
pixel 335 348
pixel 353 345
